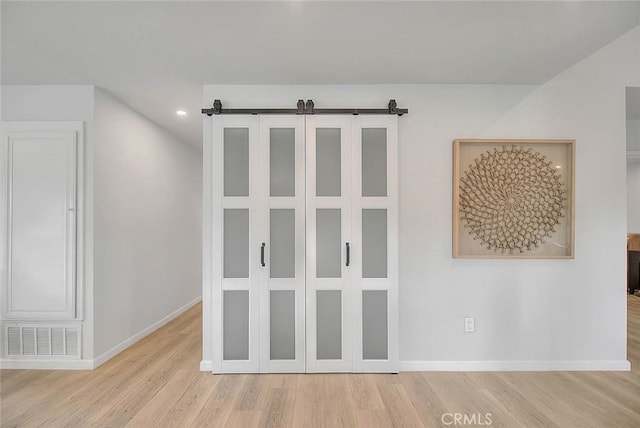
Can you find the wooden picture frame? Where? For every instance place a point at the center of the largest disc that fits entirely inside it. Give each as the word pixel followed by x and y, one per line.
pixel 513 199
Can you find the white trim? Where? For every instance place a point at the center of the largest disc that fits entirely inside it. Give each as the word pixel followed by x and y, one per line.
pixel 80 224
pixel 405 366
pixel 97 362
pixel 213 240
pixel 472 366
pixel 207 243
pixel 206 366
pixel 47 364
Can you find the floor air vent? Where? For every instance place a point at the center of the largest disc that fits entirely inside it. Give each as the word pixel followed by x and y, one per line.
pixel 42 341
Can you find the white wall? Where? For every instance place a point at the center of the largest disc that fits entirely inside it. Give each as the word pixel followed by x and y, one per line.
pixel 64 103
pixel 1 88
pixel 529 313
pixel 148 233
pixel 633 177
pixel 633 196
pixel 145 207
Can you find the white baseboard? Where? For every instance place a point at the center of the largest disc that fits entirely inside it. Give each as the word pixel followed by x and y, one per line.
pixel 97 362
pixel 405 366
pixel 495 366
pixel 23 364
pixel 489 366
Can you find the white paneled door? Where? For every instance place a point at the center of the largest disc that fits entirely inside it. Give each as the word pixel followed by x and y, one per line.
pixel 304 243
pixel 237 231
pixel 38 185
pixel 374 208
pixel 352 244
pixel 329 244
pixel 282 217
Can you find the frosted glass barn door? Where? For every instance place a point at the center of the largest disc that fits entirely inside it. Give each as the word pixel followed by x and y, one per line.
pixel 236 228
pixel 282 292
pixel 375 235
pixel 328 303
pixel 305 255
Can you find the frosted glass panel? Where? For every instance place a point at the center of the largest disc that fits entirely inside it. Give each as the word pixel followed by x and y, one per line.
pixel 236 243
pixel 328 324
pixel 283 325
pixel 374 325
pixel 328 160
pixel 236 162
pixel 374 162
pixel 282 170
pixel 374 243
pixel 328 243
pixel 235 323
pixel 283 243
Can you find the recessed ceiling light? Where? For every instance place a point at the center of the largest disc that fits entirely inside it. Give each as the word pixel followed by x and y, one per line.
pixel 181 112
pixel 558 167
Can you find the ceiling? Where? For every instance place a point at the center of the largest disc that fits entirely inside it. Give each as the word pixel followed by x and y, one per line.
pixel 155 56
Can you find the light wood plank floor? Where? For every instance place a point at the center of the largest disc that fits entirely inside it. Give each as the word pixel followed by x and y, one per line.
pixel 156 383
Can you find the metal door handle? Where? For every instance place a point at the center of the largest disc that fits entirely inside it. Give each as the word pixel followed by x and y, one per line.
pixel 262 254
pixel 348 254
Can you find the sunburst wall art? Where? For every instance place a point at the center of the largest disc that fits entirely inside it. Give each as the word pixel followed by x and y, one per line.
pixel 513 198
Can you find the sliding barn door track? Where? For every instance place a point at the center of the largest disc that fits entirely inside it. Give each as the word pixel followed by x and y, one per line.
pixel 305 108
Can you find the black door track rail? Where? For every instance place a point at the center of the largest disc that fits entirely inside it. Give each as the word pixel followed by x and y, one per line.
pixel 305 108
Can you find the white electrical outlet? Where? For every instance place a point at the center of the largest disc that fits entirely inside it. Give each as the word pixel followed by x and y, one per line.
pixel 469 325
